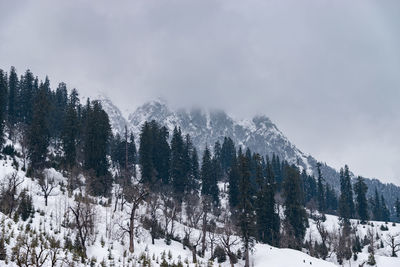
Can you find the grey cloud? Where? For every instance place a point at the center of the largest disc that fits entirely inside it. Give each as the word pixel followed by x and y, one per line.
pixel 327 72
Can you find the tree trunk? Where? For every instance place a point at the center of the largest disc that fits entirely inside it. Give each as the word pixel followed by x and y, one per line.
pixel 131 232
pixel 194 254
pixel 247 260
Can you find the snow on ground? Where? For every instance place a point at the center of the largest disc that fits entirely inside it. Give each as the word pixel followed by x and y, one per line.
pixel 110 246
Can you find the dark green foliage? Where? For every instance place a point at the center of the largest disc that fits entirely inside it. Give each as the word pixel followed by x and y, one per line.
pixel 397 207
pixel 3 104
pixel 385 211
pixel 346 204
pixel 12 97
pixel 320 190
pixel 246 215
pixel 220 254
pixel 123 154
pixel 309 187
pixel 3 250
pixel 154 154
pixel 96 139
pixel 228 155
pixel 28 88
pixel 295 214
pixel 38 134
pixel 233 179
pixel 376 207
pixel 267 216
pixel 70 131
pixel 331 199
pixel 25 208
pixel 360 189
pixel 277 170
pixel 209 185
pixel 178 166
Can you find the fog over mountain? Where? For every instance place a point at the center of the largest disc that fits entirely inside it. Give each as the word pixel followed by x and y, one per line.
pixel 260 134
pixel 326 72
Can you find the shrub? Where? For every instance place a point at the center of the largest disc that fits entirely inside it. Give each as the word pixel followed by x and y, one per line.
pixel 219 253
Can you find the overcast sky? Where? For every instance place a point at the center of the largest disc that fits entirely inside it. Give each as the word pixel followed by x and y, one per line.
pixel 326 72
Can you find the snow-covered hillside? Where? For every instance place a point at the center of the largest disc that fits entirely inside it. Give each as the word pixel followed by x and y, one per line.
pixel 108 245
pixel 259 134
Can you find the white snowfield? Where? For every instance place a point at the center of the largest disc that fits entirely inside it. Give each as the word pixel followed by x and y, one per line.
pixel 111 246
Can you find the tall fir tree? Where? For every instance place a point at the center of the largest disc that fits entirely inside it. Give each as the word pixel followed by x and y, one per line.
pixel 147 169
pixel 321 190
pixel 3 104
pixel 12 97
pixel 233 187
pixel 161 154
pixel 246 214
pixel 266 216
pixel 70 133
pixel 177 163
pixel 397 208
pixel 209 185
pixel 97 137
pixel 38 135
pixel 295 213
pixel 385 211
pixel 376 207
pixel 346 204
pixel 360 189
pixel 228 153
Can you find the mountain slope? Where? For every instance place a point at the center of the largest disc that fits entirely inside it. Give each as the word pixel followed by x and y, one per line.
pixel 259 134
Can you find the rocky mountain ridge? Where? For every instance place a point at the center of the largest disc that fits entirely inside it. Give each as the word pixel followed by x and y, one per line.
pixel 259 134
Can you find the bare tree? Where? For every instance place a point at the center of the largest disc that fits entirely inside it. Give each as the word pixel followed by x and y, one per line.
pixel 228 240
pixel 212 235
pixel 22 251
pixel 153 205
pixel 8 195
pixel 393 243
pixel 323 250
pixel 84 220
pixel 47 184
pixel 206 205
pixel 194 213
pixel 170 209
pixel 135 195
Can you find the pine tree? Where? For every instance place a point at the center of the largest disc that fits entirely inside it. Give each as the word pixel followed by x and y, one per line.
pixel 295 214
pixel 321 191
pixel 28 87
pixel 38 135
pixel 385 211
pixel 331 199
pixel 209 183
pixel 397 207
pixel 246 217
pixel 70 134
pixel 233 178
pixel 178 173
pixel 360 189
pixel 132 155
pixel 146 154
pixel 12 98
pixel 3 104
pixel 267 217
pixel 346 204
pixel 162 154
pixel 97 137
pixel 309 187
pixel 228 153
pixel 377 208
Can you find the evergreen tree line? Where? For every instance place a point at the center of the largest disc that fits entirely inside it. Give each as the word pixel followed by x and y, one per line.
pixel 41 118
pixel 81 139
